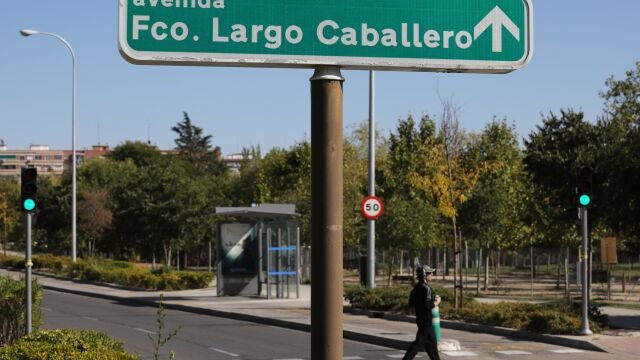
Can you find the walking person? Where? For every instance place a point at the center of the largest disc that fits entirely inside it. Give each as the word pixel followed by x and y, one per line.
pixel 423 300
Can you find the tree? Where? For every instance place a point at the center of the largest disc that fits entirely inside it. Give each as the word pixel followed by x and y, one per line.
pixel 9 213
pixel 142 154
pixel 446 178
pixel 195 147
pixel 94 217
pixel 410 222
pixel 553 153
pixel 287 174
pixel 496 211
pixel 618 171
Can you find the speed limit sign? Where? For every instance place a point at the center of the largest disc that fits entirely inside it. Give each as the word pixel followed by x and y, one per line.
pixel 372 207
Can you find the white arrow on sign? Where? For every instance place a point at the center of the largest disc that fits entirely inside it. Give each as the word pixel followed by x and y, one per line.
pixel 498 19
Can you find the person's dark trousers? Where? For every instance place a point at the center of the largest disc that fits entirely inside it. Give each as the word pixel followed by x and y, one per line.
pixel 425 339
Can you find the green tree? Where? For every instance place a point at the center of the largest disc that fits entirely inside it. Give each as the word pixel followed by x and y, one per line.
pixel 553 153
pixel 495 216
pixel 142 154
pixel 114 179
pixel 94 218
pixel 618 169
pixel 195 147
pixel 9 212
pixel 410 222
pixel 287 174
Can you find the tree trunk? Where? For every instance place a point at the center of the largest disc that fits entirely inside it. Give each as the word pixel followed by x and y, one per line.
pixel 496 270
pixel 486 269
pixel 478 264
pixel 460 268
pixel 557 272
pixel 567 293
pixel 167 255
pixel 456 295
pixel 445 268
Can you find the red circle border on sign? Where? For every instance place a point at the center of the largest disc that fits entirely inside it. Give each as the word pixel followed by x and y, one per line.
pixel 364 201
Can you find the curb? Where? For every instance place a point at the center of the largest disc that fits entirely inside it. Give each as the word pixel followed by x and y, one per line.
pixel 493 330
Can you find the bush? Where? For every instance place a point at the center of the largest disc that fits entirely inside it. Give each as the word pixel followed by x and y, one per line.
pixel 115 272
pixel 66 344
pixel 558 318
pixel 13 309
pixel 395 298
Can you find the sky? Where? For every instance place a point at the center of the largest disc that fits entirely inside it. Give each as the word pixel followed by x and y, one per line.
pixel 577 46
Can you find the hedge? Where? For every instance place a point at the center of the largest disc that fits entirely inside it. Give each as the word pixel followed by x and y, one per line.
pixel 66 344
pixel 554 318
pixel 114 272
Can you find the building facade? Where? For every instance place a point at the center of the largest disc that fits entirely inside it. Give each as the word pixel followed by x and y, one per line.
pixel 48 162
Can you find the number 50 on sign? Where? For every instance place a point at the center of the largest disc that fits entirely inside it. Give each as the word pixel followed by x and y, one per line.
pixel 372 207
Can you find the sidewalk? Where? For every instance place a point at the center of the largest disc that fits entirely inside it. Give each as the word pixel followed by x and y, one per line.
pixel 395 331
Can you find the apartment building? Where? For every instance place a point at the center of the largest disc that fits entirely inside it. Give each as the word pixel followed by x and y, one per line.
pixel 48 162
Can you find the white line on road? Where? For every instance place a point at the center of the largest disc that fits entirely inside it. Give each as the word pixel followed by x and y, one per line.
pixel 459 353
pixel 352 358
pixel 45 308
pixel 89 318
pixel 566 351
pixel 224 352
pixel 513 352
pixel 144 331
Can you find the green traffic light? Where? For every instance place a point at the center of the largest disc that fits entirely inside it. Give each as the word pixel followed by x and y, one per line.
pixel 29 204
pixel 585 200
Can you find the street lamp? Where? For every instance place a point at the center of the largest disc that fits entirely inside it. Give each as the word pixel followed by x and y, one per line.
pixel 29 32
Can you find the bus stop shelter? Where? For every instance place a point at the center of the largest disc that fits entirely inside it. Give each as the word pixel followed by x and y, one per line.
pixel 258 251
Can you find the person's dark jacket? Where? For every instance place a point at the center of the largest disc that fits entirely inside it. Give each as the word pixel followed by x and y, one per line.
pixel 422 299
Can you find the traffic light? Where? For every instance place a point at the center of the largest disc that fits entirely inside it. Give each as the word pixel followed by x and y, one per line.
pixel 29 189
pixel 585 175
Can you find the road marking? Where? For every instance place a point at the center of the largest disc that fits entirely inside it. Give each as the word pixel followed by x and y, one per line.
pixel 513 352
pixel 45 308
pixel 144 331
pixel 89 318
pixel 224 352
pixel 567 351
pixel 352 358
pixel 459 353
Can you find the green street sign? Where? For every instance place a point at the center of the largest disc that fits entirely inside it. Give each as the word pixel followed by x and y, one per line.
pixel 487 36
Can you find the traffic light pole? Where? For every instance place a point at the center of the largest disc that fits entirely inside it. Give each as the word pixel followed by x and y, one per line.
pixel 28 265
pixel 584 257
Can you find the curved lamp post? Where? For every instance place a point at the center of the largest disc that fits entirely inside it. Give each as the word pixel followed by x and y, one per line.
pixel 29 32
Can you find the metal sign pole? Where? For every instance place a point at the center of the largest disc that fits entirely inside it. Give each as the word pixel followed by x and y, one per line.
pixel 371 224
pixel 326 214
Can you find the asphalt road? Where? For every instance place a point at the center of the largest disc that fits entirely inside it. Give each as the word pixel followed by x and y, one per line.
pixel 209 337
pixel 199 337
